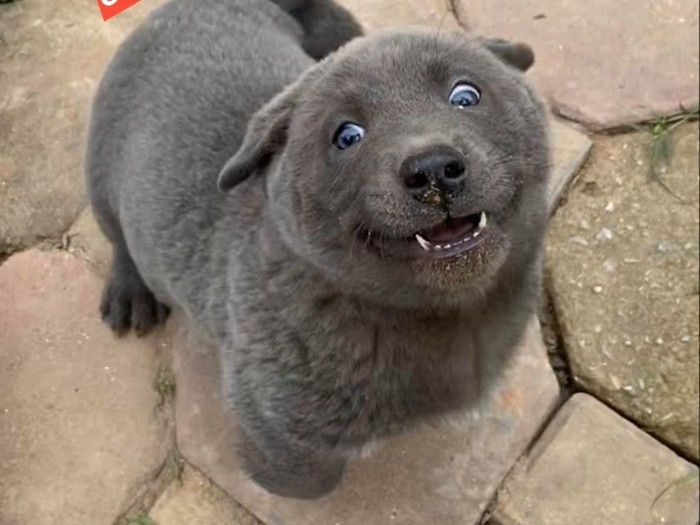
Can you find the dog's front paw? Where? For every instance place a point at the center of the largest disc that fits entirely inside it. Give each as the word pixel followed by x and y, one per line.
pixel 288 472
pixel 127 303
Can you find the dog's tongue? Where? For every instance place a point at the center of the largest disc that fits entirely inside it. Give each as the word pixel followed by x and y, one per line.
pixel 452 229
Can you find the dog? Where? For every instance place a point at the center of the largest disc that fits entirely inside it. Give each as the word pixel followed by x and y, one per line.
pixel 356 221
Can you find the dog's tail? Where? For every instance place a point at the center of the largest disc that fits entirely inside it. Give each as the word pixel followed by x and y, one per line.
pixel 327 25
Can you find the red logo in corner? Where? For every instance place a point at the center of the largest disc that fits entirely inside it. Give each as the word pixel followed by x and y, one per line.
pixel 110 8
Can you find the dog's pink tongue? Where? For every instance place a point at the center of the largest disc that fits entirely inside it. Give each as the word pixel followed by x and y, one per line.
pixel 451 230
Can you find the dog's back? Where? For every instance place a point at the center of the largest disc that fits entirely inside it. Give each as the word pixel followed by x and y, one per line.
pixel 195 60
pixel 202 68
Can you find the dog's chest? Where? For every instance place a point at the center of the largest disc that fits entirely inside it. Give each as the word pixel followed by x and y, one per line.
pixel 381 371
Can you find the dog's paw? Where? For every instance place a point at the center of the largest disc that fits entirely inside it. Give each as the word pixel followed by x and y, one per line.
pixel 127 303
pixel 285 471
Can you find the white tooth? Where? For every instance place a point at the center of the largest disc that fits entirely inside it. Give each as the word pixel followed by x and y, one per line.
pixel 476 233
pixel 423 243
pixel 482 220
pixel 446 246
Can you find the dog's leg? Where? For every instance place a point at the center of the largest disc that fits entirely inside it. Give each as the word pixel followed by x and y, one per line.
pixel 286 471
pixel 126 300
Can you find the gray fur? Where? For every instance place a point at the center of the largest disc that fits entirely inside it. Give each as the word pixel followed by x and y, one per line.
pixel 326 340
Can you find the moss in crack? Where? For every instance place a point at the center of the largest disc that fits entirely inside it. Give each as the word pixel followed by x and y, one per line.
pixel 165 385
pixel 661 146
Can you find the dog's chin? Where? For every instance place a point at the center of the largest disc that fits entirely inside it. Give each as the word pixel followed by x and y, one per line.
pixel 454 254
pixel 469 269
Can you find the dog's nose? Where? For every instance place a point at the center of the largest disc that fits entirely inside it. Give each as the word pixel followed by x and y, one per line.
pixel 442 169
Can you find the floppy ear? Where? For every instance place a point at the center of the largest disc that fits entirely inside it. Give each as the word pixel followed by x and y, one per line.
pixel 265 136
pixel 514 54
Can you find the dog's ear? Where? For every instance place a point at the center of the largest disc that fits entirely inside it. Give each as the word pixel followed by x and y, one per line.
pixel 514 54
pixel 266 136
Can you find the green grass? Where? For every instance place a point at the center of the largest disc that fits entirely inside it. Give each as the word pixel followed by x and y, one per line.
pixel 165 385
pixel 661 149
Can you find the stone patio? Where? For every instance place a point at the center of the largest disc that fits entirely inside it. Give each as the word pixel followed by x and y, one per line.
pixel 604 64
pixel 623 261
pixel 87 421
pixel 562 478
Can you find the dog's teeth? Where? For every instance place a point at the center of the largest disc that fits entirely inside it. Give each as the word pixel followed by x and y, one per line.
pixel 476 233
pixel 423 243
pixel 482 220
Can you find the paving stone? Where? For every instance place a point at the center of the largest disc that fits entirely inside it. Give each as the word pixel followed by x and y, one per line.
pixel 441 473
pixel 80 431
pixel 194 500
pixel 430 14
pixel 44 109
pixel 605 64
pixel 592 466
pixel 570 149
pixel 86 240
pixel 622 255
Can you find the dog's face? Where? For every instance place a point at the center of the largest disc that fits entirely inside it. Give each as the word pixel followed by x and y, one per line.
pixel 412 167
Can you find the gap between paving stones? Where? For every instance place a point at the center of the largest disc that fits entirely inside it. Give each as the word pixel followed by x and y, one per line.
pixel 553 340
pixel 147 492
pixel 655 437
pixel 564 396
pixel 144 492
pixel 544 489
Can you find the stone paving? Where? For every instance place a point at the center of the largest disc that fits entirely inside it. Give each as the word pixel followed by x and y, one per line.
pixel 623 261
pixel 560 481
pixel 605 64
pixel 87 431
pixel 82 430
pixel 195 500
pixel 52 54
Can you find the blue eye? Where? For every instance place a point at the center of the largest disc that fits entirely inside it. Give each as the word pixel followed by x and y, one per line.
pixel 464 95
pixel 347 135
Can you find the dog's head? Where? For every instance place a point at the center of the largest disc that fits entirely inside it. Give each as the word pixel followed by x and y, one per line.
pixel 409 166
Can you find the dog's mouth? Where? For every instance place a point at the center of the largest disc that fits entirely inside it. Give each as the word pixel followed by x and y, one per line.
pixel 454 236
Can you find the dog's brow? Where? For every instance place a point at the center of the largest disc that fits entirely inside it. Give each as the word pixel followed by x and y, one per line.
pixel 438 70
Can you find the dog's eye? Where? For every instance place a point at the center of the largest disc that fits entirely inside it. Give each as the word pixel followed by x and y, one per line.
pixel 347 135
pixel 464 95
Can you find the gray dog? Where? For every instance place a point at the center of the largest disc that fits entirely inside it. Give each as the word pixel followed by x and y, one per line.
pixel 360 235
